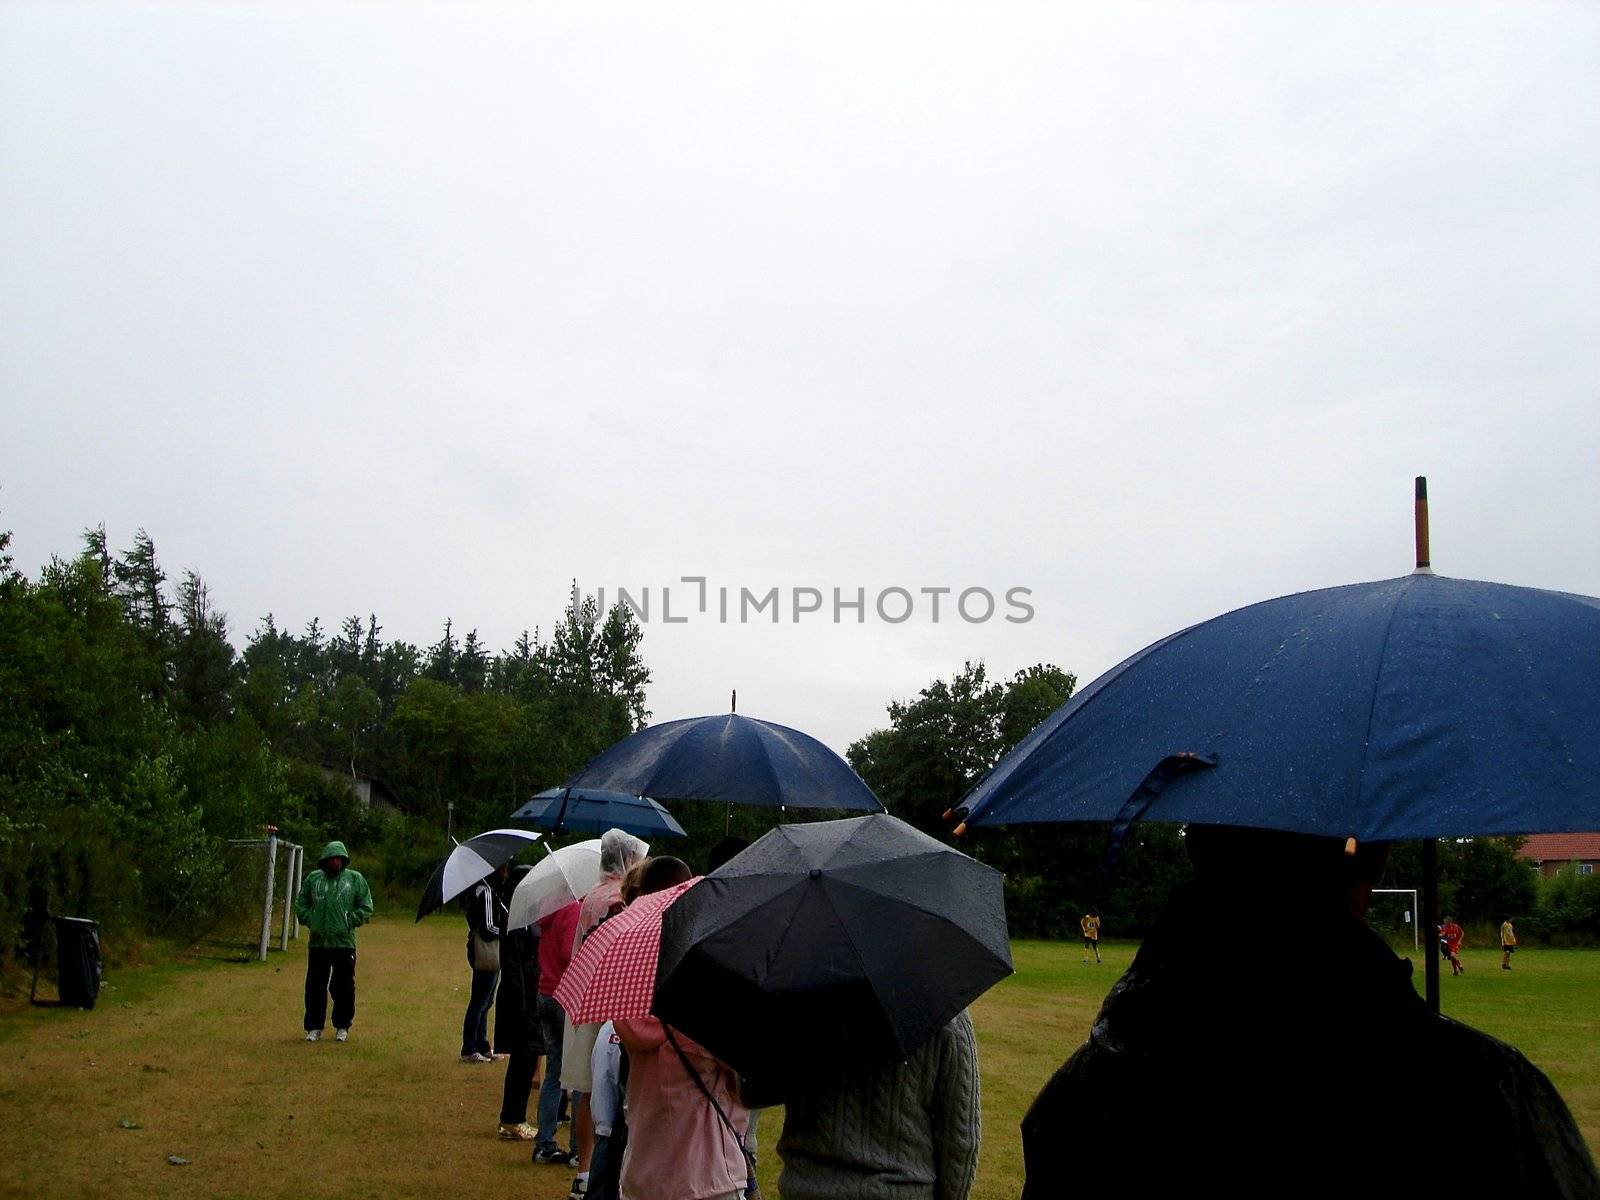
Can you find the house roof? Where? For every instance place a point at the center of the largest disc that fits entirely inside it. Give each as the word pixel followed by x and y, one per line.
pixel 1561 847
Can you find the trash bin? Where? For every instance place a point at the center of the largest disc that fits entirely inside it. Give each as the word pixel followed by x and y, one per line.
pixel 78 960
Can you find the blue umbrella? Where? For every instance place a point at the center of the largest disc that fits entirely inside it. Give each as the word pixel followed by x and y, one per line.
pixel 587 810
pixel 1418 707
pixel 730 759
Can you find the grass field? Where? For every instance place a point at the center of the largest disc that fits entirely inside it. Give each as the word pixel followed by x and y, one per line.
pixel 208 1059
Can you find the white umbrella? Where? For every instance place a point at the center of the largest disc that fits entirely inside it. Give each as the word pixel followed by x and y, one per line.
pixel 474 859
pixel 558 879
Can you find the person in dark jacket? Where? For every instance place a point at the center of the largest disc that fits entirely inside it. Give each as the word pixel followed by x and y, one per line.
pixel 1265 1079
pixel 517 1030
pixel 486 921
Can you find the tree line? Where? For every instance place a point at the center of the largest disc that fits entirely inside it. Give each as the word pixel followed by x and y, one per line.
pixel 135 740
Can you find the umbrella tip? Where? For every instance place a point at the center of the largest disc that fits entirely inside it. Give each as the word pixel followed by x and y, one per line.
pixel 959 829
pixel 733 701
pixel 1424 567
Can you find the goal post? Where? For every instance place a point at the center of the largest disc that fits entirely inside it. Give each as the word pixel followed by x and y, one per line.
pixel 1411 916
pixel 264 879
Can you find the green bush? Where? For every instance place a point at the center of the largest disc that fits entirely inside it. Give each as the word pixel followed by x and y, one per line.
pixel 1568 912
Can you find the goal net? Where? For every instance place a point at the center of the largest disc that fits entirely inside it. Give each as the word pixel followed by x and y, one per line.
pixel 253 909
pixel 1393 913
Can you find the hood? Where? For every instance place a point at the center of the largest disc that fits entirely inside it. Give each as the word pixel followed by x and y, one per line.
pixel 334 850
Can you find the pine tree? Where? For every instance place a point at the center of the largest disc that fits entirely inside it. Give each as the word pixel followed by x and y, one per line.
pixel 472 667
pixel 441 661
pixel 619 665
pixel 202 659
pixel 139 584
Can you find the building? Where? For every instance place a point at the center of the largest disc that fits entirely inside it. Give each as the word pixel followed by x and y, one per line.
pixel 366 789
pixel 1553 853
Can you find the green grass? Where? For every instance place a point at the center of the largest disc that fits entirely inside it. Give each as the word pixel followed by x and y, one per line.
pixel 208 1058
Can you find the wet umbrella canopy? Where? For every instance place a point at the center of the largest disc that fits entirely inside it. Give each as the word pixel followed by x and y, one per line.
pixel 558 879
pixel 731 759
pixel 1416 707
pixel 829 945
pixel 588 810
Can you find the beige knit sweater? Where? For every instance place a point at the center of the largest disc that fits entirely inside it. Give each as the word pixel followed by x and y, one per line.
pixel 906 1132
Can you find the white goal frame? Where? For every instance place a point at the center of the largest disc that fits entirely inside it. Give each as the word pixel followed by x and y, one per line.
pixel 1416 916
pixel 294 871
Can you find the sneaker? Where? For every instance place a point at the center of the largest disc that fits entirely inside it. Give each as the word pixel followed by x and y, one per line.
pixel 551 1156
pixel 580 1189
pixel 313 1035
pixel 475 1057
pixel 499 1057
pixel 341 1035
pixel 522 1132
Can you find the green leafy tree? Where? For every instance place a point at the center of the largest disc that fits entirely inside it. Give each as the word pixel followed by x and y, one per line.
pixel 938 745
pixel 354 710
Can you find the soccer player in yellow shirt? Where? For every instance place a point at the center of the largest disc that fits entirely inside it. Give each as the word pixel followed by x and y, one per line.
pixel 1090 924
pixel 1508 943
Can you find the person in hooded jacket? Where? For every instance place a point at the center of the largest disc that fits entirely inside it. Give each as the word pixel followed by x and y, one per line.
pixel 333 902
pixel 517 1031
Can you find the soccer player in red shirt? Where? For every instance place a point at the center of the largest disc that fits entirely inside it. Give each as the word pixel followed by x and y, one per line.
pixel 1450 936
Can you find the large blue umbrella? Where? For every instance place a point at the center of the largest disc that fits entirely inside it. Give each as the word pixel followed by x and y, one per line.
pixel 730 759
pixel 587 810
pixel 1417 707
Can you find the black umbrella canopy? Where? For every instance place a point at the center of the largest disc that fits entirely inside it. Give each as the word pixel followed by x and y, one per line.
pixel 729 759
pixel 830 945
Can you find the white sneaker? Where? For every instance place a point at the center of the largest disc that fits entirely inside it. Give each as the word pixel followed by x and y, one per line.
pixel 341 1035
pixel 313 1035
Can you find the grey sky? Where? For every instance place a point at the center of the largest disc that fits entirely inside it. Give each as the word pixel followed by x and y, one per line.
pixel 428 309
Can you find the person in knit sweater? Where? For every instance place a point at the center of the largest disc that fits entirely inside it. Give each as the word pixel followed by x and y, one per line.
pixel 902 1132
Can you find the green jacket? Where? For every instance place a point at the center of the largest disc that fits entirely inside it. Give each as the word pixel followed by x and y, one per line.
pixel 332 906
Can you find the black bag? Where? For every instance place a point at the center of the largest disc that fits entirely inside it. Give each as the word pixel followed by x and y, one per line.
pixel 78 960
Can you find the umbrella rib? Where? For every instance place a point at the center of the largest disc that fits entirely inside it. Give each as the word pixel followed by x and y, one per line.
pixel 772 771
pixel 912 904
pixel 1088 696
pixel 849 936
pixel 1372 704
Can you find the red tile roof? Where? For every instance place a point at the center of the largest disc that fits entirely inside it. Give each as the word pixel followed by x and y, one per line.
pixel 1562 847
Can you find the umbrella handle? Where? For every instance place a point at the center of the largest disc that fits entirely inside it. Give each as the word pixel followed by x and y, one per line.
pixel 1165 771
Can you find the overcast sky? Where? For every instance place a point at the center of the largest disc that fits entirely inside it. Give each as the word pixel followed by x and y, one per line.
pixel 427 310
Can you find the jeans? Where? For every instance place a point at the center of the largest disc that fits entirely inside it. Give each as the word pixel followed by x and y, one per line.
pixel 605 1165
pixel 330 969
pixel 475 1025
pixel 552 1024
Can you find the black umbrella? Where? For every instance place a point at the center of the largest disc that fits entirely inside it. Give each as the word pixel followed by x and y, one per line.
pixel 830 945
pixel 472 860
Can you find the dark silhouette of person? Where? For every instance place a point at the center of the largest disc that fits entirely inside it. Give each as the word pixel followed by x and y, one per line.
pixel 1278 1074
